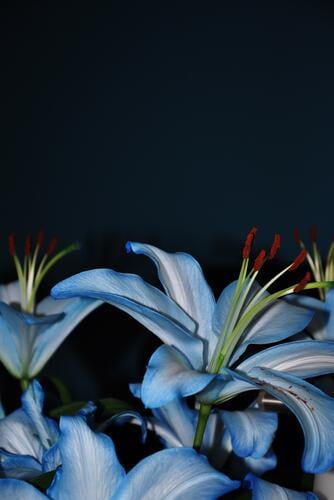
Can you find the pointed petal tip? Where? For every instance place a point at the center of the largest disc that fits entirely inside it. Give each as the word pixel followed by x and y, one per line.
pixel 128 247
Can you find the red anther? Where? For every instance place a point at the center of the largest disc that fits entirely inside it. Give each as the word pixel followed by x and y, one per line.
pixel 11 244
pixel 296 235
pixel 301 285
pixel 259 260
pixel 40 238
pixel 52 246
pixel 298 260
pixel 275 246
pixel 313 233
pixel 248 243
pixel 27 246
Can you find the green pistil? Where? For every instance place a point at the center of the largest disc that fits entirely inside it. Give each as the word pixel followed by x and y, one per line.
pixel 203 415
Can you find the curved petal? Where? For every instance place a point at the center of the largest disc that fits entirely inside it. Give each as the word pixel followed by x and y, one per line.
pixel 305 359
pixel 18 435
pixel 176 473
pixel 14 488
pixel 90 468
pixel 183 281
pixel 279 321
pixel 314 410
pixel 169 375
pixel 10 293
pixel 261 465
pixel 48 341
pixel 263 489
pixel 175 423
pixel 12 331
pixel 252 431
pixel 18 466
pixel 142 301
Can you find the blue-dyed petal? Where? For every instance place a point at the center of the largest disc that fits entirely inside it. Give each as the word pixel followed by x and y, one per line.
pixel 48 340
pixel 11 489
pixel 263 490
pixel 12 339
pixel 305 359
pixel 18 466
pixel 322 325
pixel 90 468
pixel 145 303
pixel 32 405
pixel 261 465
pixel 279 321
pixel 183 281
pixel 314 410
pixel 252 431
pixel 169 375
pixel 10 293
pixel 177 473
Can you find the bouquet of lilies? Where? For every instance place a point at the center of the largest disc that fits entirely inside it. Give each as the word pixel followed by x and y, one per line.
pixel 256 338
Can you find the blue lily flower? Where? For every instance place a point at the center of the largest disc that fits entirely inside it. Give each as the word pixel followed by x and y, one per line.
pixel 30 333
pixel 90 469
pixel 28 438
pixel 247 433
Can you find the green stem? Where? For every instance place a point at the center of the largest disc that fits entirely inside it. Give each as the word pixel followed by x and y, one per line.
pixel 24 384
pixel 203 415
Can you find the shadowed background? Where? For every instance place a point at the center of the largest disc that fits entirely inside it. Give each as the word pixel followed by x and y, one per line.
pixel 180 125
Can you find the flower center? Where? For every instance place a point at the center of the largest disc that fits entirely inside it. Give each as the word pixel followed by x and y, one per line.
pixel 33 269
pixel 247 304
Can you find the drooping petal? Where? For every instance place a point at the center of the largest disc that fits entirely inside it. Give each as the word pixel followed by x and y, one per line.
pixel 314 410
pixel 277 322
pixel 144 302
pixel 48 341
pixel 305 359
pixel 90 468
pixel 11 489
pixel 252 431
pixel 177 473
pixel 169 375
pixel 262 490
pixel 183 281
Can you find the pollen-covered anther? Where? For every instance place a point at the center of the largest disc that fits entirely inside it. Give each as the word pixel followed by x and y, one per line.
pixel 11 245
pixel 248 243
pixel 275 246
pixel 313 233
pixel 301 285
pixel 259 260
pixel 52 246
pixel 298 260
pixel 27 246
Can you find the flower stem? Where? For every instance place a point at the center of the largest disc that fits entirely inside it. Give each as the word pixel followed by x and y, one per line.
pixel 203 415
pixel 24 384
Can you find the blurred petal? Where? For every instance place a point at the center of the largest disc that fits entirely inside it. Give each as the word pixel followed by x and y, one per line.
pixel 90 468
pixel 18 435
pixel 12 489
pixel 261 465
pixel 169 375
pixel 279 321
pixel 18 466
pixel 176 474
pixel 252 431
pixel 262 490
pixel 10 293
pixel 145 303
pixel 183 281
pixel 48 341
pixel 12 331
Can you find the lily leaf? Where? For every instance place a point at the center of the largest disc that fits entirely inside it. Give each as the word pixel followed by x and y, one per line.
pixel 111 406
pixel 63 392
pixel 68 409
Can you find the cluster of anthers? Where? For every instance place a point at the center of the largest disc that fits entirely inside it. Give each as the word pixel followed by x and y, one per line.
pixel 320 271
pixel 248 300
pixel 32 271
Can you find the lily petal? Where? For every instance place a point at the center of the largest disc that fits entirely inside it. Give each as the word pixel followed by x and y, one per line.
pixel 322 325
pixel 90 468
pixel 18 466
pixel 142 301
pixel 18 435
pixel 278 322
pixel 183 281
pixel 261 465
pixel 14 488
pixel 10 293
pixel 12 328
pixel 169 375
pixel 176 473
pixel 263 489
pixel 252 431
pixel 48 341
